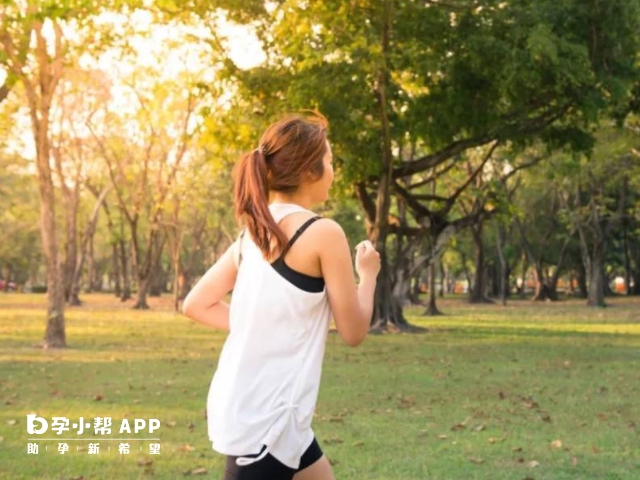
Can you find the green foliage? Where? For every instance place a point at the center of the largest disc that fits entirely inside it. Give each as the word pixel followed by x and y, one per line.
pixel 519 71
pixel 20 249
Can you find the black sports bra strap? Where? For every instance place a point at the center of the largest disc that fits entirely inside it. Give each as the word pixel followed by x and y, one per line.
pixel 302 228
pixel 240 246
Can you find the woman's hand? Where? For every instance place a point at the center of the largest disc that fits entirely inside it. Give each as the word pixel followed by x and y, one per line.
pixel 367 260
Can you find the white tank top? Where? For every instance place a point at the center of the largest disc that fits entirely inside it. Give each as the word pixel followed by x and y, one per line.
pixel 265 388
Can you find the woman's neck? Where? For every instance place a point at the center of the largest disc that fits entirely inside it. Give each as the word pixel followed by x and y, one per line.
pixel 301 200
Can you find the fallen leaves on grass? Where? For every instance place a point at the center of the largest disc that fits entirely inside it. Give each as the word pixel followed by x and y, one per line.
pixel 461 426
pixel 332 441
pixel 556 444
pixel 406 402
pixel 195 471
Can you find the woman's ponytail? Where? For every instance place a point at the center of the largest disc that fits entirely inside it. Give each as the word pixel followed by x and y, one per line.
pixel 251 192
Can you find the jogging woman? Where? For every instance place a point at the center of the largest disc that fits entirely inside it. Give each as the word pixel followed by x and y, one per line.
pixel 290 271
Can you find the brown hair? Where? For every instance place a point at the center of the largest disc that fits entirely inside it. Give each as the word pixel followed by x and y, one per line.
pixel 288 149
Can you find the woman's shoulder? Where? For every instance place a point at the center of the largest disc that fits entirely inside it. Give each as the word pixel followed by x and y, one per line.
pixel 328 226
pixel 327 234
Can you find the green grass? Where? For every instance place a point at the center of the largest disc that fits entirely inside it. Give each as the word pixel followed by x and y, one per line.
pixel 483 394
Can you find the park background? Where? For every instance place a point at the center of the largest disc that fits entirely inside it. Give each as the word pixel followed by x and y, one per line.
pixel 489 149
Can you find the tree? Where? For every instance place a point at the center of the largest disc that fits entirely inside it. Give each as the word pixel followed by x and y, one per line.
pixel 440 78
pixel 594 191
pixel 198 204
pixel 80 94
pixel 39 74
pixel 34 50
pixel 143 164
pixel 20 247
pixel 544 236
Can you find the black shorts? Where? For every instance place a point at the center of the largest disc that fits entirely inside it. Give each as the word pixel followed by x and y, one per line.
pixel 270 468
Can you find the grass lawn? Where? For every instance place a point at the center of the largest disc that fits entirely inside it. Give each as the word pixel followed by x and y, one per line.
pixel 549 391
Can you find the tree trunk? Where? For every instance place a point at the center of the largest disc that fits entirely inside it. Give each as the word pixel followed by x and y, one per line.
pixel 627 259
pixel 581 277
pixel 115 262
pixel 157 281
pixel 141 299
pixel 147 270
pixel 90 267
pixel 402 281
pixel 635 275
pixel 596 291
pixel 126 278
pixel 504 275
pixel 387 310
pixel 55 336
pixel 96 279
pixel 543 290
pixel 178 283
pixel 87 239
pixel 71 245
pixel 635 270
pixel 432 308
pixel 465 269
pixel 39 89
pixel 415 288
pixel 478 289
pixel 438 243
pixel 572 278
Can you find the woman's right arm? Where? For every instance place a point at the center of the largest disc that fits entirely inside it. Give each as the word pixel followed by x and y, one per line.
pixel 351 304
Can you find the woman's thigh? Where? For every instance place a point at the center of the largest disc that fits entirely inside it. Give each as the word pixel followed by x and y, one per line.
pixel 319 470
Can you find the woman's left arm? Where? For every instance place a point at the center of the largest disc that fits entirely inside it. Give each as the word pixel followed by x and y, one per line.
pixel 204 302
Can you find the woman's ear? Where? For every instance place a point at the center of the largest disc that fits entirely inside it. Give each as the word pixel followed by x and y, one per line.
pixel 307 177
